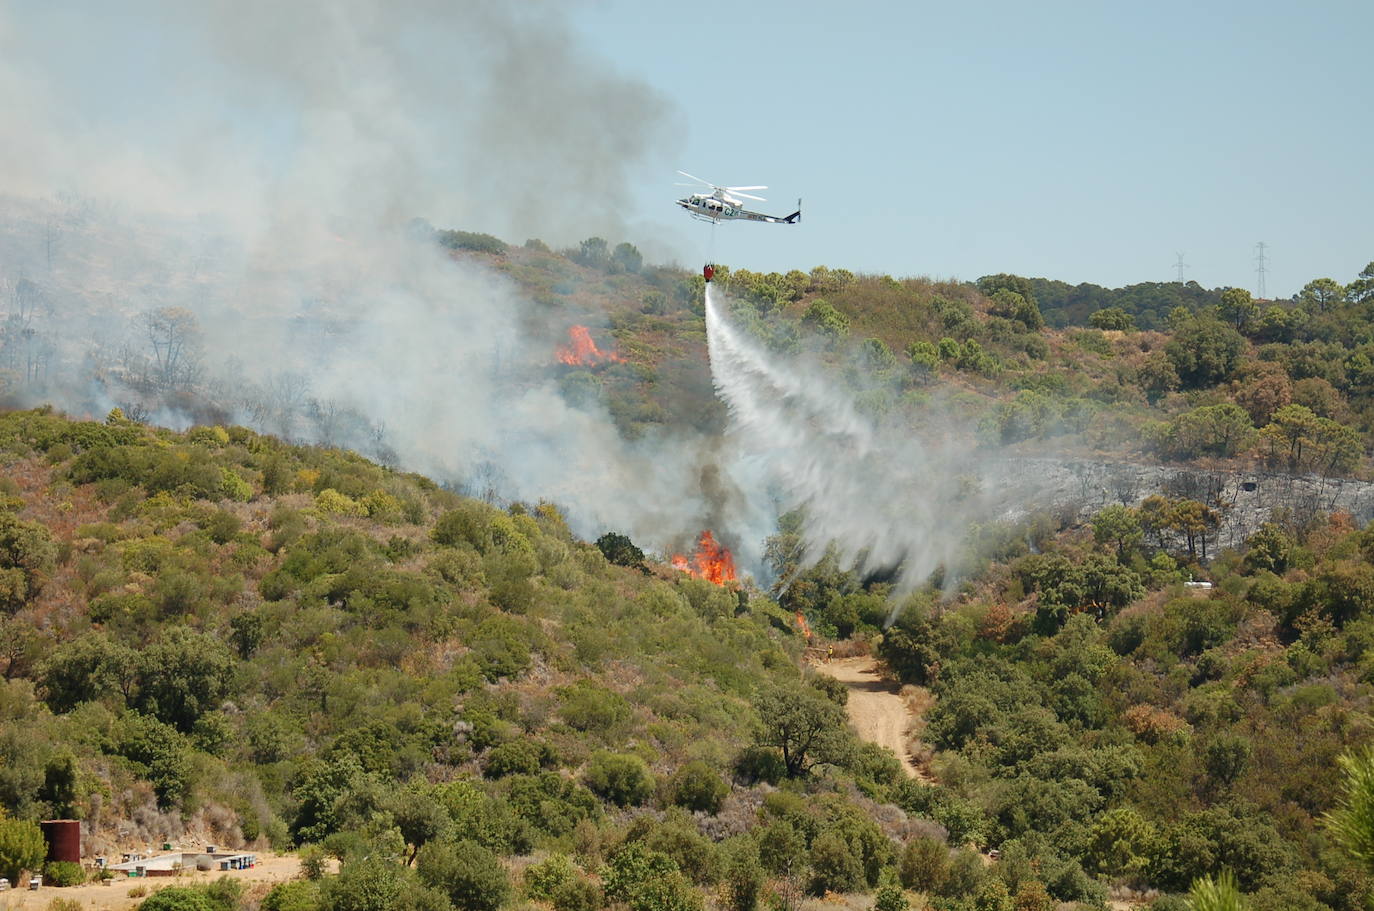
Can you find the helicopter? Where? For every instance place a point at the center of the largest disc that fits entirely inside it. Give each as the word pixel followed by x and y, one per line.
pixel 725 204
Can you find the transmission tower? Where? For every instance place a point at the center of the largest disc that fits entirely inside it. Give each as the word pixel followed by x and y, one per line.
pixel 1180 266
pixel 1259 271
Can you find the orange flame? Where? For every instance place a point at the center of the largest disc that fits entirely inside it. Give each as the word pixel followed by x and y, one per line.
pixel 803 626
pixel 711 562
pixel 581 351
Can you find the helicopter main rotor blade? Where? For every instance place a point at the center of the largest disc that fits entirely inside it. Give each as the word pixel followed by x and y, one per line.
pixel 747 196
pixel 696 178
pixel 746 188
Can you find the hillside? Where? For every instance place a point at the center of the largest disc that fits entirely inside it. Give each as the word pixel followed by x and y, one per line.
pixel 259 643
pixel 1214 377
pixel 257 635
pixel 220 634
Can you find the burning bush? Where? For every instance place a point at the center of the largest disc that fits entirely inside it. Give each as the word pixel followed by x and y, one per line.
pixel 711 561
pixel 581 350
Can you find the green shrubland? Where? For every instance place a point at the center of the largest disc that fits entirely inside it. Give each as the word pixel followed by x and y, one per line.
pixel 468 707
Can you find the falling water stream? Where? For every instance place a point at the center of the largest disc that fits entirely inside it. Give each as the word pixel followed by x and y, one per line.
pixel 886 498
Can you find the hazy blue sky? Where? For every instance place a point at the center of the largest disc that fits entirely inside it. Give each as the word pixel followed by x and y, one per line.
pixel 1080 141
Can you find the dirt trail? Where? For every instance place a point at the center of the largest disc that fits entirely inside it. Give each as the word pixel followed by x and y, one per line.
pixel 271 868
pixel 876 707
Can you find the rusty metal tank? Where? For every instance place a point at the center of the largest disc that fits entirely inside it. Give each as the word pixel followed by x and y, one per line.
pixel 64 839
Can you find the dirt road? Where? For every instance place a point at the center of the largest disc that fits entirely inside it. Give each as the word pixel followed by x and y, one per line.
pixel 271 868
pixel 876 707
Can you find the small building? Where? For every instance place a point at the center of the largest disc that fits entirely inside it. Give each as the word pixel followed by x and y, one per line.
pixel 171 864
pixel 238 862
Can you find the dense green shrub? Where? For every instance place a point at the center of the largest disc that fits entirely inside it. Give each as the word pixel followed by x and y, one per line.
pixel 922 864
pixel 178 898
pixel 183 674
pixel 160 754
pixel 619 549
pixel 696 855
pixel 699 787
pixel 545 878
pixel 666 893
pixel 63 873
pixel 495 824
pixel 468 524
pixel 366 884
pixel 891 898
pixel 648 880
pixel 471 876
pixel 578 894
pixel 21 847
pixel 589 707
pixel 502 647
pixel 27 554
pixel 964 874
pixel 550 802
pixel 293 895
pixel 88 668
pixel 742 873
pixel 782 847
pixel 760 763
pixel 474 241
pixel 516 757
pixel 622 779
pixel 834 865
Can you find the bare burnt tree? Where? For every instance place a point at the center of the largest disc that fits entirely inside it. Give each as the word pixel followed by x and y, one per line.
pixel 26 347
pixel 485 482
pixel 288 391
pixel 52 242
pixel 174 335
pixel 29 301
pixel 134 411
pixel 250 402
pixel 39 353
pixel 382 450
pixel 1124 483
pixel 254 403
pixel 1087 484
pixel 326 415
pixel 1203 486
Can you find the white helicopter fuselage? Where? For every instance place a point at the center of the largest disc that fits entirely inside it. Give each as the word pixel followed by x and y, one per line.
pixel 717 207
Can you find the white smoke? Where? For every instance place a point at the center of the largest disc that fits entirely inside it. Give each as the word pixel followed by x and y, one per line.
pixel 257 165
pixel 882 497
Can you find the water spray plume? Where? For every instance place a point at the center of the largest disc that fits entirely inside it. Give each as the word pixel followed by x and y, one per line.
pixel 883 497
pixel 581 350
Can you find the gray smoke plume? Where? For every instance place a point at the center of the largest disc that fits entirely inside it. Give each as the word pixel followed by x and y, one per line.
pixel 206 214
pixel 483 115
